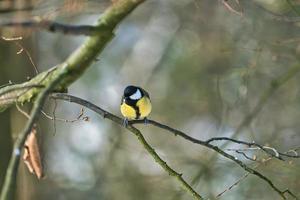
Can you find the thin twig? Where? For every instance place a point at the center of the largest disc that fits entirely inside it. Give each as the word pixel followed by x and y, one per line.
pixel 42 24
pixel 12 38
pixel 231 9
pixel 233 185
pixel 22 48
pixel 22 111
pixel 245 155
pixel 54 118
pixel 7 84
pixel 29 56
pixel 266 149
pixel 239 180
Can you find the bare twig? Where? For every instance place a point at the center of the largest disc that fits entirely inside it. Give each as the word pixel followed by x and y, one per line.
pixel 22 48
pixel 176 132
pixel 231 9
pixel 12 38
pixel 245 155
pixel 239 180
pixel 233 185
pixel 22 111
pixel 268 150
pixel 79 117
pixel 7 84
pixel 42 24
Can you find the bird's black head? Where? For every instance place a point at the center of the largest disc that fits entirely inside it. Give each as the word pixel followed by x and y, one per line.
pixel 133 93
pixel 130 90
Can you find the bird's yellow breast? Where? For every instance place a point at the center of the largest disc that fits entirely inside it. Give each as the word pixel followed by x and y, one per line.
pixel 128 111
pixel 142 110
pixel 145 107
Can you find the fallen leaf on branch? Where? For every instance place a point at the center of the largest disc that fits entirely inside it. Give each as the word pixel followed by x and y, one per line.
pixel 31 156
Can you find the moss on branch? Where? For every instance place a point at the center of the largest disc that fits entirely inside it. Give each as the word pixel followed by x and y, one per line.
pixel 76 63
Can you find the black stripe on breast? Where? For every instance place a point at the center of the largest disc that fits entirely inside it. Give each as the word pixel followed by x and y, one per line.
pixel 137 112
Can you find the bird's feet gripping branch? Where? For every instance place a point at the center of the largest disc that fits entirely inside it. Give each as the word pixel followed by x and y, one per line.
pixel 125 122
pixel 135 104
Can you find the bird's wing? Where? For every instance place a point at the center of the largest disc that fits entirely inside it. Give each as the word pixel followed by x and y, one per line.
pixel 146 93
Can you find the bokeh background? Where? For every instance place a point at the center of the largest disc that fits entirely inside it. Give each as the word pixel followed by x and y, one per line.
pixel 205 67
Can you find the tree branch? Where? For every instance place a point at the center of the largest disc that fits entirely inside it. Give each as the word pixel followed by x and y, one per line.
pixel 118 120
pixel 54 27
pixel 80 59
pixel 218 150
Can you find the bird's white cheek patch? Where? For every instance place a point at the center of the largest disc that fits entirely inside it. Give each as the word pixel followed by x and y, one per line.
pixel 136 95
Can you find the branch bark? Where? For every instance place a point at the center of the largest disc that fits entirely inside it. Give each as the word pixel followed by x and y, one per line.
pixel 77 62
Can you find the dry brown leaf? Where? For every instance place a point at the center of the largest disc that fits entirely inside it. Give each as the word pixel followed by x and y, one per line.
pixel 31 156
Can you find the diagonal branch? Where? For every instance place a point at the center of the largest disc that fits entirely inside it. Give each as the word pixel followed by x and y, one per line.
pixel 135 131
pixel 171 130
pixel 81 58
pixel 218 150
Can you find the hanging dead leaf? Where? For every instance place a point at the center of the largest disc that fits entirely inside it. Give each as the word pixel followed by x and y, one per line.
pixel 31 156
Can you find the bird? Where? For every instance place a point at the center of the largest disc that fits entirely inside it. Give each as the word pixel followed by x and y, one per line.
pixel 135 104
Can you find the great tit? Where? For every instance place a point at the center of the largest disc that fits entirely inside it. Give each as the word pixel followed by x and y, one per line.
pixel 135 104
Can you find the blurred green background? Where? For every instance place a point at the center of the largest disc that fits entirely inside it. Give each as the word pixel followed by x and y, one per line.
pixel 205 68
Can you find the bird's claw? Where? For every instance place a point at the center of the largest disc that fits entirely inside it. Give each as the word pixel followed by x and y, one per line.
pixel 125 122
pixel 146 121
